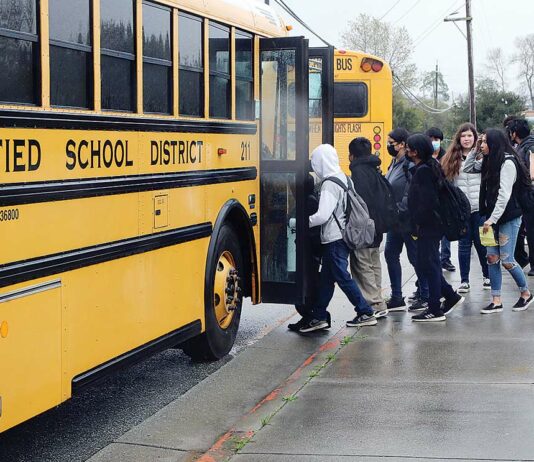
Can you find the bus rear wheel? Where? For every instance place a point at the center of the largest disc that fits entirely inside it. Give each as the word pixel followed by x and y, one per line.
pixel 224 299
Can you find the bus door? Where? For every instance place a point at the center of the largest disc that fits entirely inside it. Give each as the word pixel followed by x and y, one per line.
pixel 321 96
pixel 284 166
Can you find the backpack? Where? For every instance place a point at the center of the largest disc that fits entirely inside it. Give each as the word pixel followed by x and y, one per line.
pixel 359 231
pixel 454 211
pixel 525 194
pixel 388 219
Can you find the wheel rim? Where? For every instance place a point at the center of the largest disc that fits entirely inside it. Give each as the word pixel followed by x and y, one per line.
pixel 227 290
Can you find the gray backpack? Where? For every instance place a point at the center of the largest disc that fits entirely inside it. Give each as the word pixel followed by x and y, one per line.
pixel 359 231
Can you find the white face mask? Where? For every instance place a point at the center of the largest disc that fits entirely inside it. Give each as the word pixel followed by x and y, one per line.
pixel 436 145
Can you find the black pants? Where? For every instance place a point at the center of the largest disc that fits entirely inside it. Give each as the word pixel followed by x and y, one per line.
pixel 429 264
pixel 526 230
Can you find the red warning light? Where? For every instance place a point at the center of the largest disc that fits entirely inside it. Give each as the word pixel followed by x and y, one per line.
pixel 377 138
pixel 377 146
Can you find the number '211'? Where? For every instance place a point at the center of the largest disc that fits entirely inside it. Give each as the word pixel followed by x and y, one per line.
pixel 245 150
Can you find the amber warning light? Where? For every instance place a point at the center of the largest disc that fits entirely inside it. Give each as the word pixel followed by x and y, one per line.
pixel 369 64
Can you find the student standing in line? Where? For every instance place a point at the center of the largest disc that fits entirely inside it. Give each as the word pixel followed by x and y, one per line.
pixel 436 136
pixel 399 177
pixel 452 163
pixel 423 206
pixel 335 253
pixel 519 133
pixel 503 174
pixel 368 182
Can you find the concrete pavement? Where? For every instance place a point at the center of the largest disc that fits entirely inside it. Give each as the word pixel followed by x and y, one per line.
pixel 458 390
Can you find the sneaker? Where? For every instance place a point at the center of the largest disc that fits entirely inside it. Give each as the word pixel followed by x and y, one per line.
pixel 381 313
pixel 362 320
pixel 464 288
pixel 486 284
pixel 415 296
pixel 295 327
pixel 531 272
pixel 523 303
pixel 491 308
pixel 396 304
pixel 418 305
pixel 450 303
pixel 428 316
pixel 448 266
pixel 314 324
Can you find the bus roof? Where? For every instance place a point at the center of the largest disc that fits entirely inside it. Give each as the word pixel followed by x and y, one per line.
pixel 252 15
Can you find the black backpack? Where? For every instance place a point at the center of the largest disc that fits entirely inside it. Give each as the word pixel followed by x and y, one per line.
pixel 388 219
pixel 454 211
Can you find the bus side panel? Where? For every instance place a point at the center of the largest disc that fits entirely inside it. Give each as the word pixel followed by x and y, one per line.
pixel 129 302
pixel 30 352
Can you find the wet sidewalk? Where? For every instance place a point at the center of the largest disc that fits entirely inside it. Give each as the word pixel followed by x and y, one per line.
pixel 462 389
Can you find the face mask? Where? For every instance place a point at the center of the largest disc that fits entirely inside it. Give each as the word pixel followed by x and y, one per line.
pixel 391 150
pixel 436 145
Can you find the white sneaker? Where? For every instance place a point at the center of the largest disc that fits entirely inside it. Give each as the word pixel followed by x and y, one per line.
pixel 464 288
pixel 486 284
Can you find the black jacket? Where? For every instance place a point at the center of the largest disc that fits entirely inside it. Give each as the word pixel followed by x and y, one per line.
pixel 399 178
pixel 525 147
pixel 366 178
pixel 423 201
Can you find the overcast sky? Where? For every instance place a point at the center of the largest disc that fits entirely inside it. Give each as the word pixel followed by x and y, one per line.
pixel 496 24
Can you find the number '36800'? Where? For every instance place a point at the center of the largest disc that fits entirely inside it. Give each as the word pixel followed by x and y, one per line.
pixel 9 214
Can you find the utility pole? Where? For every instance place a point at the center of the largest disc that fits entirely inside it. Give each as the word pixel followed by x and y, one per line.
pixel 470 68
pixel 472 102
pixel 436 87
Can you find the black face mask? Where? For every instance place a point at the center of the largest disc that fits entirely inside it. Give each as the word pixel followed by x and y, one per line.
pixel 391 150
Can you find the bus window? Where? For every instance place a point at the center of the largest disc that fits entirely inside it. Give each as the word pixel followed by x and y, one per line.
pixel 19 52
pixel 220 94
pixel 157 59
pixel 244 98
pixel 350 99
pixel 71 63
pixel 118 55
pixel 191 66
pixel 315 91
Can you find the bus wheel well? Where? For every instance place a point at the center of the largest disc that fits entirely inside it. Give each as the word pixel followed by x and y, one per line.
pixel 240 221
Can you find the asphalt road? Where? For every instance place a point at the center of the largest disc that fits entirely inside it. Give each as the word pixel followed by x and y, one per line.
pixel 82 426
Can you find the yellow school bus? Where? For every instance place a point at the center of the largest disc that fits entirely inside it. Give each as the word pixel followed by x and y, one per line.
pixel 152 157
pixel 363 103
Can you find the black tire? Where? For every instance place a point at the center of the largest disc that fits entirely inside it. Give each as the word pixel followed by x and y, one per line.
pixel 216 342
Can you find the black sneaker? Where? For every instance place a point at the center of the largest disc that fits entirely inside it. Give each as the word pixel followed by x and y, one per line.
pixel 362 320
pixel 452 302
pixel 522 304
pixel 448 266
pixel 314 324
pixel 491 308
pixel 396 304
pixel 418 305
pixel 415 296
pixel 531 272
pixel 381 313
pixel 428 316
pixel 295 327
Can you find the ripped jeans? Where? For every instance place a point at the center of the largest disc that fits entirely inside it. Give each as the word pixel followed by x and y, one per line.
pixel 506 236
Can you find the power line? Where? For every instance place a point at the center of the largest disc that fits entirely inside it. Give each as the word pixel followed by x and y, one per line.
pixel 389 11
pixel 407 12
pixel 294 15
pixel 415 99
pixel 421 37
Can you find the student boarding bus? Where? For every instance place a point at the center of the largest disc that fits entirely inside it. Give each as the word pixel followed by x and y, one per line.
pixel 152 156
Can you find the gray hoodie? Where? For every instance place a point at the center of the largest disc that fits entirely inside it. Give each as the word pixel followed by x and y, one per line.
pixel 333 200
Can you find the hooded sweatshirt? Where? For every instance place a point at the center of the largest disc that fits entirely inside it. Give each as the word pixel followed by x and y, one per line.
pixel 332 200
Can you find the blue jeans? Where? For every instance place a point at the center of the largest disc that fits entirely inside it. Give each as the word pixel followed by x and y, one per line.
pixel 429 263
pixel 506 236
pixel 445 255
pixel 464 248
pixel 335 269
pixel 392 252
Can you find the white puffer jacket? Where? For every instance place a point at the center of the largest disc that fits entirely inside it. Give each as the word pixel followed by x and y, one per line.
pixel 469 183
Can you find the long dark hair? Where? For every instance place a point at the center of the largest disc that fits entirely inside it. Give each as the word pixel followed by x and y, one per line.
pixel 452 160
pixel 423 146
pixel 499 145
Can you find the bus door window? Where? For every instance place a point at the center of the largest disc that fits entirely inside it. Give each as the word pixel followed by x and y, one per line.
pixel 315 70
pixel 279 144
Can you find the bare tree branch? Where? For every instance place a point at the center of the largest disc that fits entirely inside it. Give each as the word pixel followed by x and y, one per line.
pixel 524 58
